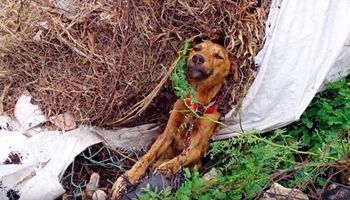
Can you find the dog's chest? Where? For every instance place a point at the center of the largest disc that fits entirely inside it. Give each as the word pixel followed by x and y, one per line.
pixel 183 136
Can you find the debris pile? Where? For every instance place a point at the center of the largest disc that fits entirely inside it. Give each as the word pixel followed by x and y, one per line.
pixel 99 60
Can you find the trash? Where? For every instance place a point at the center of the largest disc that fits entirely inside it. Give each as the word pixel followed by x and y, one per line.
pixel 92 186
pixel 33 160
pixel 278 192
pixel 92 190
pixel 27 114
pixel 65 121
pixel 99 195
pixel 132 139
pixel 44 158
pixel 299 55
pixel 38 35
pixel 44 25
pixel 6 123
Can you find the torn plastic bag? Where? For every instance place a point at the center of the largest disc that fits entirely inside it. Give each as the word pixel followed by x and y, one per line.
pixel 33 160
pixel 307 44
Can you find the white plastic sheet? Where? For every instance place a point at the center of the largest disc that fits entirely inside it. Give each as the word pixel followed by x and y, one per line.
pixel 43 159
pixel 307 44
pixel 33 160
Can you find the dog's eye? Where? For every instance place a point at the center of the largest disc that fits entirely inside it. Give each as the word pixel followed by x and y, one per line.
pixel 218 56
pixel 196 48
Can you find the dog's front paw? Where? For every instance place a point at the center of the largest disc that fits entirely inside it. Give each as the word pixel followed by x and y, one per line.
pixel 165 169
pixel 119 188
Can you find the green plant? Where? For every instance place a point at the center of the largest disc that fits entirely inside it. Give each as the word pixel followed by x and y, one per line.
pixel 178 78
pixel 326 118
pixel 161 195
pixel 246 162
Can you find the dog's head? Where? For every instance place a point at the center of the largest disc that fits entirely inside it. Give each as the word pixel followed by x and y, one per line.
pixel 208 61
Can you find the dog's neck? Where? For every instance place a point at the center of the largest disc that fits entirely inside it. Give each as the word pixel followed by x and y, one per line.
pixel 205 92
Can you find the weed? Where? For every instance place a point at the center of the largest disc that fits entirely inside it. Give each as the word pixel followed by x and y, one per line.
pixel 178 78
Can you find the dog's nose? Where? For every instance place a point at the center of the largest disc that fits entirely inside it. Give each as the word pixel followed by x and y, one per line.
pixel 197 59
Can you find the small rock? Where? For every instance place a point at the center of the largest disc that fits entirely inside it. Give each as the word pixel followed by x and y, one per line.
pixel 336 192
pixel 68 8
pixel 210 175
pixel 278 192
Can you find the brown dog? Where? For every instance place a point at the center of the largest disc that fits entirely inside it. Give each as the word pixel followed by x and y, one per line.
pixel 186 138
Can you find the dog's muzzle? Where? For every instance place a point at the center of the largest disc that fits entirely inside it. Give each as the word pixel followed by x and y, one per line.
pixel 195 68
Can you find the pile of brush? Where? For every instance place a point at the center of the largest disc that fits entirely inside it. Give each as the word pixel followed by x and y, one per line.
pixel 105 61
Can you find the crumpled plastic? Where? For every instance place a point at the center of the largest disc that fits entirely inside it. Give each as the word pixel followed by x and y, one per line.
pixel 307 44
pixel 33 160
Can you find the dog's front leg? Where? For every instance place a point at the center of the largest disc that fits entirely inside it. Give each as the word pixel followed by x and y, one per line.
pixel 199 144
pixel 159 146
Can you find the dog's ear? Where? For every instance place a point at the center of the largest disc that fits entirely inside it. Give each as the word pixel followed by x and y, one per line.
pixel 234 68
pixel 219 39
pixel 195 40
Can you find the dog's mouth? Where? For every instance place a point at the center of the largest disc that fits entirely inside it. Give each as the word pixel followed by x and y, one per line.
pixel 197 72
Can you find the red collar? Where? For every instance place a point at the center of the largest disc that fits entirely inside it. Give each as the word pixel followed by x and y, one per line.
pixel 202 109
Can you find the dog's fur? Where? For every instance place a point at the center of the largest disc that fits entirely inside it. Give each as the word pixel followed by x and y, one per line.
pixel 185 138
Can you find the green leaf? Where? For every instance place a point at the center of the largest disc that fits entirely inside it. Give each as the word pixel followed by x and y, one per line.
pixel 306 139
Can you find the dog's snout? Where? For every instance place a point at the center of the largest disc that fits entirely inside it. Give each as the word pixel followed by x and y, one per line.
pixel 197 59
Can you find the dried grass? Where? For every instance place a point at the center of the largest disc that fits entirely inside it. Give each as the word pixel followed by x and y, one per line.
pixel 99 58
